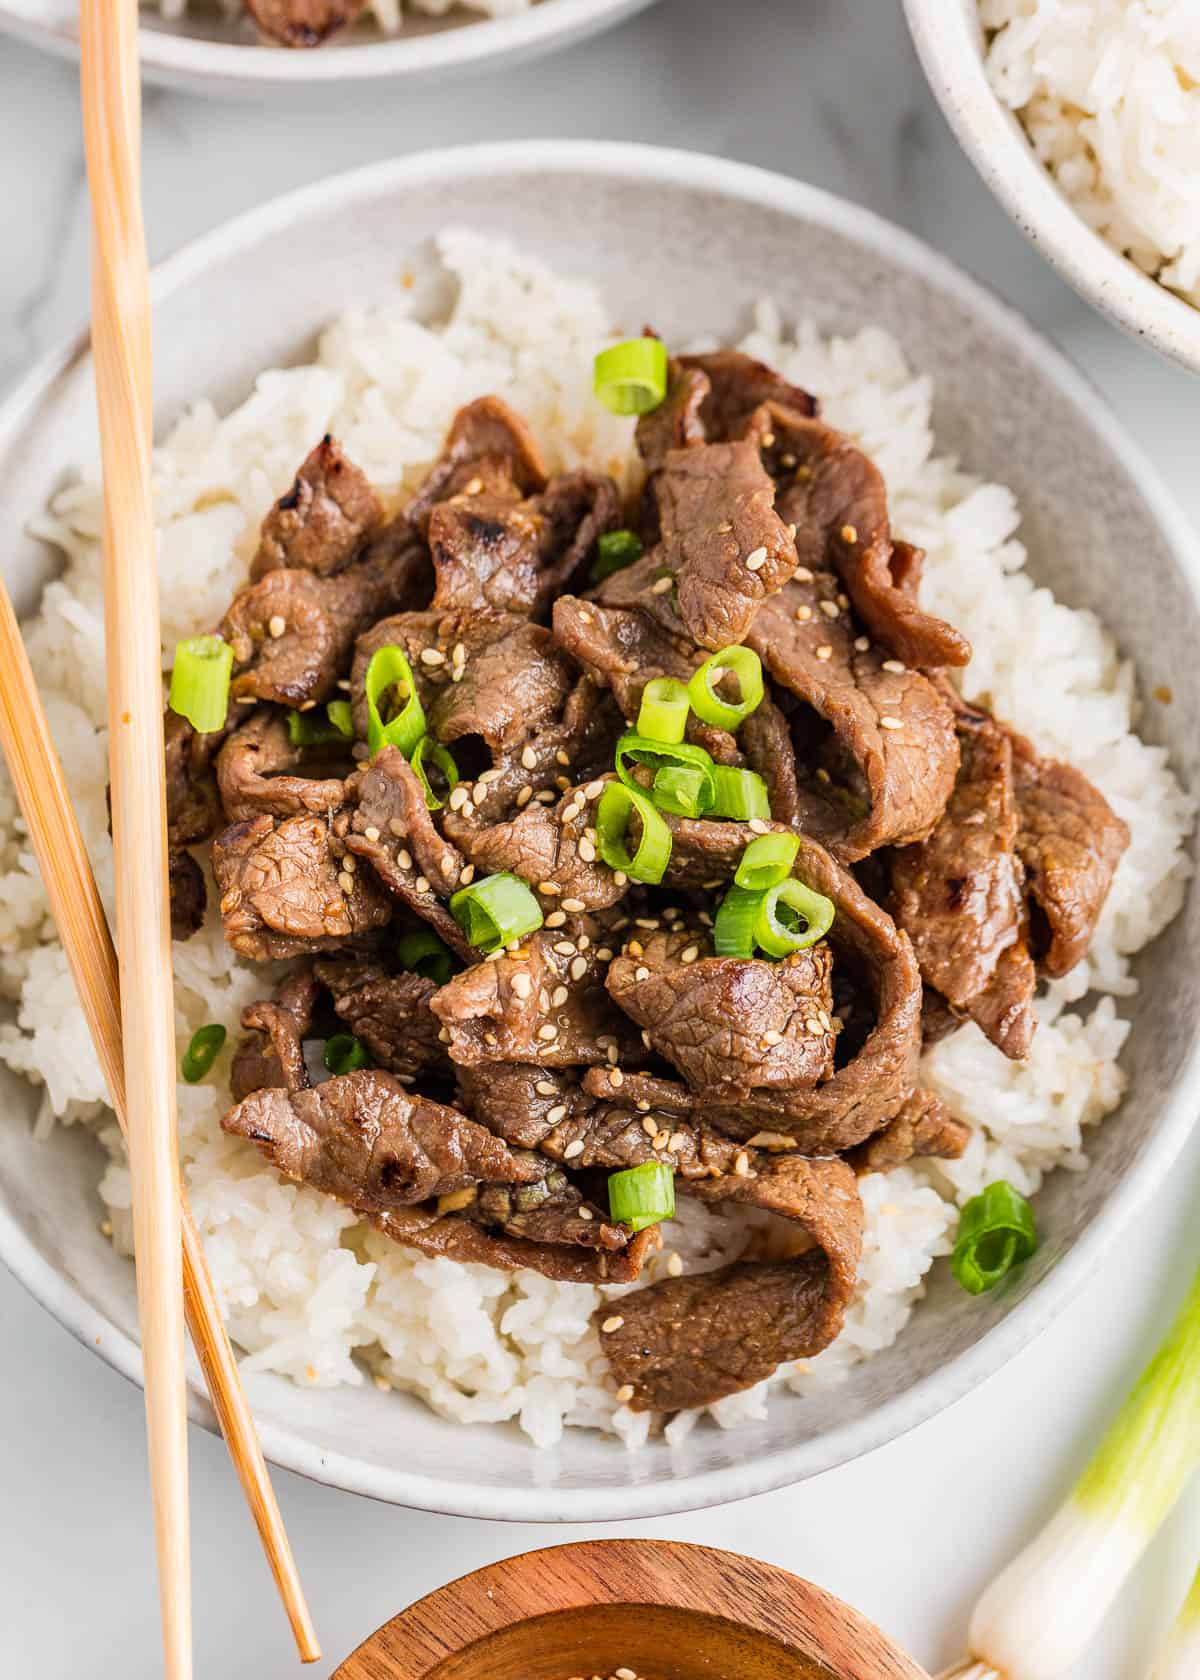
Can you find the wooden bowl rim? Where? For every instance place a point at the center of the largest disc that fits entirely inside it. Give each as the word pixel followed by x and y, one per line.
pixel 671 1574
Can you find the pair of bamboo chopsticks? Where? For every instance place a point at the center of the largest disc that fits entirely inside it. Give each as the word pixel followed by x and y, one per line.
pixel 129 1009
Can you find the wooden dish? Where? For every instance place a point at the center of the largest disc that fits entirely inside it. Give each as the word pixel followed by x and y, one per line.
pixel 659 1608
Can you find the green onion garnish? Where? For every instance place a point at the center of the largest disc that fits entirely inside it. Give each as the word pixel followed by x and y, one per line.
pixel 614 551
pixel 392 690
pixel 740 794
pixel 1180 1656
pixel 200 682
pixel 495 911
pixel 436 753
pixel 319 727
pixel 660 755
pixel 202 1052
pixel 995 1233
pixel 682 789
pixel 344 1053
pixel 1040 1614
pixel 421 952
pixel 642 1195
pixel 733 925
pixel 619 804
pixel 767 860
pixel 791 917
pixel 746 666
pixel 631 378
pixel 663 713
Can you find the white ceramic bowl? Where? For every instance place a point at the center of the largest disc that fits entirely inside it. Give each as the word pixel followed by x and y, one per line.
pixel 690 243
pixel 949 41
pixel 207 53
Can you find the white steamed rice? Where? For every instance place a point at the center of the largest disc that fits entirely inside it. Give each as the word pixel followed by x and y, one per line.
pixel 1109 93
pixel 308 1293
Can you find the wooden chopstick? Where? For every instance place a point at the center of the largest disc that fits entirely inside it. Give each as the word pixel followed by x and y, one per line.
pixel 138 1012
pixel 83 927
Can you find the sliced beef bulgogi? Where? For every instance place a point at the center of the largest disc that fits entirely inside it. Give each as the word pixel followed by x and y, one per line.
pixel 321 523
pixel 303 23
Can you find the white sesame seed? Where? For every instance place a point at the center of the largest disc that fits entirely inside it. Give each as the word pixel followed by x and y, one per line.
pixel 546 1088
pixel 613 1054
pixel 725 527
pixel 528 758
pixel 522 985
pixel 459 654
pixel 662 1139
pixel 741 1164
pixel 891 723
pixel 371 833
pixel 558 997
pixel 490 1038
pixel 849 534
pixel 662 586
pixel 579 967
pixel 772 1037
pixel 603 954
pixel 674 1265
pixel 813 1024
pixel 346 881
pixel 397 827
pixel 803 575
pixel 587 851
pixel 586 1213
pixel 862 643
pixel 557 1113
pixel 486 776
pixel 458 798
pixel 564 947
pixel 803 614
pixel 432 656
pixel 276 625
pixel 525 795
pixel 896 665
pixel 574 905
pixel 620 879
pixel 571 811
pixel 594 789
pixel 444 1036
pixel 624 1393
pixel 643 1107
pixel 690 954
pixel 561 756
pixel 843 600
pixel 421 884
pixel 756 560
pixel 583 942
pixel 467 876
pixel 641 973
pixel 404 859
pixel 650 1125
pixel 556 918
pixel 616 1321
pixel 825 651
pixel 550 888
pixel 548 1032
pixel 829 608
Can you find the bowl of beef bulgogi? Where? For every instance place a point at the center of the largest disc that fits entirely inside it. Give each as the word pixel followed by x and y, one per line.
pixel 660 848
pixel 267 45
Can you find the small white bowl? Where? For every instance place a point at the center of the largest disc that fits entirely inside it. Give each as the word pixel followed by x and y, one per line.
pixel 690 243
pixel 949 40
pixel 209 54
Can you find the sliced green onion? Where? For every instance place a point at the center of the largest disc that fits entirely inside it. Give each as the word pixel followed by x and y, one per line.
pixel 733 925
pixel 663 713
pixel 428 748
pixel 643 1195
pixel 390 683
pixel 1180 1656
pixel 702 689
pixel 200 682
pixel 421 952
pixel 791 917
pixel 766 861
pixel 658 756
pixel 495 911
pixel 682 789
pixel 740 794
pixel 202 1052
pixel 1038 1617
pixel 319 727
pixel 631 378
pixel 618 805
pixel 345 1054
pixel 995 1233
pixel 614 551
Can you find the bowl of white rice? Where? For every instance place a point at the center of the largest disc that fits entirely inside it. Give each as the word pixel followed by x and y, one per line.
pixel 1083 117
pixel 212 46
pixel 373 306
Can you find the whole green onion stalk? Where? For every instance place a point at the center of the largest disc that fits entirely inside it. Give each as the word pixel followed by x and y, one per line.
pixel 1039 1616
pixel 1180 1659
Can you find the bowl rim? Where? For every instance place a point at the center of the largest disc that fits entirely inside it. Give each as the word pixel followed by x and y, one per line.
pixel 934 1393
pixel 246 66
pixel 946 36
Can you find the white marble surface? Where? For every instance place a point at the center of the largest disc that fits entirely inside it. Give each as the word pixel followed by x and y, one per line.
pixel 827 90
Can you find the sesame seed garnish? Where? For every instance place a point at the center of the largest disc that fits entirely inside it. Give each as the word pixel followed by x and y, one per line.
pixel 862 643
pixel 583 942
pixel 603 954
pixel 550 888
pixel 371 833
pixel 650 1126
pixel 643 1107
pixel 613 1054
pixel 613 1323
pixel 346 881
pixel 574 905
pixel 826 1023
pixel 562 783
pixel 467 876
pixel 896 665
pixel 849 534
pixel 741 1164
pixel 624 1393
pixel 756 560
pixel 690 954
pixel 558 997
pixel 565 947
pixel 842 599
pixel 829 608
pixel 802 574
pixel 620 879
pixel 813 1024
pixel 650 923
pixel 404 859
pixel 674 1265
pixel 444 1036
pixel 473 488
pixel 578 967
pixel 594 789
pixel 522 985
pixel 432 656
pixel 803 614
pixel 587 851
pixel 546 1088
pixel 276 625
pixel 571 811
pixel 458 798
pixel 586 1213
pixel 641 973
pixel 486 776
pixel 616 1078
pixel 635 948
pixel 397 827
pixel 662 586
pixel 561 756
pixel 490 1039
pixel 525 795
pixel 825 651
pixel 545 797
pixel 528 758
pixel 772 1037
pixel 891 723
pixel 556 918
pixel 756 825
pixel 573 1149
pixel 557 1113
pixel 547 1032
pixel 585 617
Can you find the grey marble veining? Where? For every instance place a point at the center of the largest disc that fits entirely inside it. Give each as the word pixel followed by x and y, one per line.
pixel 827 90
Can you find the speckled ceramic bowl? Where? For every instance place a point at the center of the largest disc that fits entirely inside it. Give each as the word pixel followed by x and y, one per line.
pixel 690 243
pixel 949 41
pixel 209 53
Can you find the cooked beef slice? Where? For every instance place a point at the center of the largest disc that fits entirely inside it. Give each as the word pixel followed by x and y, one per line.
pixel 292 631
pixel 457 1237
pixel 960 894
pixel 551 849
pixel 1070 841
pixel 542 1004
pixel 188 893
pixel 722 541
pixel 738 386
pixel 553 1212
pixel 835 496
pixel 387 824
pixel 583 739
pixel 322 521
pixel 486 442
pixel 285 889
pixel 389 1013
pixel 887 765
pixel 730 1026
pixel 924 1126
pixel 577 509
pixel 766 741
pixel 302 23
pixel 272 1052
pixel 486 554
pixel 254 773
pixel 675 423
pixel 364 1138
pixel 689 1341
pixel 193 798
